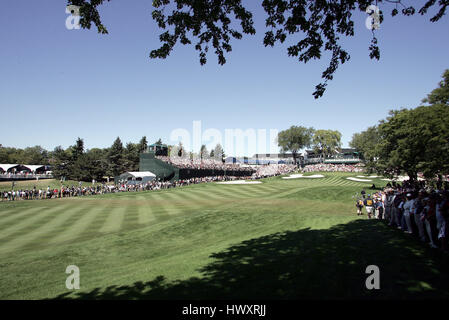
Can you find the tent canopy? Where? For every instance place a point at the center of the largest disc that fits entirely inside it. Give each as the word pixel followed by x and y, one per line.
pixel 141 174
pixel 7 166
pixel 33 168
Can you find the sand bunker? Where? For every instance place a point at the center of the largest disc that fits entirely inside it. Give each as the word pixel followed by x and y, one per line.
pixel 370 177
pixel 239 182
pixel 300 175
pixel 359 180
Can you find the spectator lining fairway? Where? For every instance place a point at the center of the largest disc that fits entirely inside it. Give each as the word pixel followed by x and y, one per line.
pixel 297 238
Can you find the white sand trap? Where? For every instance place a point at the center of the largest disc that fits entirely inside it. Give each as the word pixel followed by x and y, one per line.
pixel 359 180
pixel 300 175
pixel 239 182
pixel 369 177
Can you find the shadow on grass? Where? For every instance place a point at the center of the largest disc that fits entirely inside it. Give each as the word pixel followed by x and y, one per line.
pixel 303 264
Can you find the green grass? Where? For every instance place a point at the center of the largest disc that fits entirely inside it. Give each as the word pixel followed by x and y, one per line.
pixel 281 239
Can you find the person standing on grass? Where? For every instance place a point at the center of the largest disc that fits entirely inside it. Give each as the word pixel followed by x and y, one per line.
pixel 389 206
pixel 363 193
pixel 397 209
pixel 380 208
pixel 408 208
pixel 359 206
pixel 442 216
pixel 375 211
pixel 429 219
pixel 369 204
pixel 419 208
pixel 401 208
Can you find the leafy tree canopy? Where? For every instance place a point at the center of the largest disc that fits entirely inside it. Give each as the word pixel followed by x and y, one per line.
pixel 314 26
pixel 410 141
pixel 365 143
pixel 440 95
pixel 326 142
pixel 413 141
pixel 294 139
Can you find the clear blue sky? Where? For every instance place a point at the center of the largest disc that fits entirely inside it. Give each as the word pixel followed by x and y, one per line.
pixel 58 84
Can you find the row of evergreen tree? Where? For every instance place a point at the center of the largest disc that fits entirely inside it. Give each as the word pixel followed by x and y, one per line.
pixel 77 163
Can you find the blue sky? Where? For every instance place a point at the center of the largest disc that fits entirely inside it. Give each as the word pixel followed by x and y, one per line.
pixel 58 84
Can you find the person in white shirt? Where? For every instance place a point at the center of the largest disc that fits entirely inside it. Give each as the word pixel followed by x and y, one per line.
pixel 408 212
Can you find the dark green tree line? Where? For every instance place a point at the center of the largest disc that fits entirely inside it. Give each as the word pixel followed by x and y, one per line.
pixel 75 163
pixel 410 141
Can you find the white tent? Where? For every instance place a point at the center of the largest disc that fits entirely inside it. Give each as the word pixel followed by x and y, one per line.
pixel 142 176
pixel 7 166
pixel 33 167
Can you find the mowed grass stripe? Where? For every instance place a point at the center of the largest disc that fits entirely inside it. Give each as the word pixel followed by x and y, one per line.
pixel 334 181
pixel 174 203
pixel 347 182
pixel 37 236
pixel 49 238
pixel 262 191
pixel 287 192
pixel 211 198
pixel 207 196
pixel 219 191
pixel 145 211
pixel 13 218
pixel 159 206
pixel 131 219
pixel 247 191
pixel 251 191
pixel 7 212
pixel 270 189
pixel 191 199
pixel 114 220
pixel 88 223
pixel 341 183
pixel 27 225
pixel 235 192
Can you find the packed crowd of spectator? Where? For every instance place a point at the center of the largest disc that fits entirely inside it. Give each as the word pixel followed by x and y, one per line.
pixel 271 170
pixel 49 193
pixel 414 208
pixel 186 163
pixel 134 186
pixel 68 192
pixel 79 191
pixel 25 175
pixel 327 167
